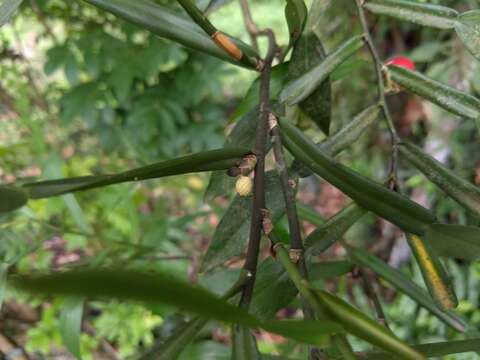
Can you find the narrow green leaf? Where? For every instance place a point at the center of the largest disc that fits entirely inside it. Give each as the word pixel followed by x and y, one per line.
pixel 7 9
pixel 329 269
pixel 446 97
pixel 204 161
pixel 176 343
pixel 434 273
pixel 455 241
pixel 307 53
pixel 231 235
pixel 273 290
pixel 308 331
pixel 249 102
pixel 308 214
pixel 215 5
pixel 439 17
pixel 365 328
pixel 296 15
pixel 71 324
pixel 166 23
pixel 435 349
pixel 468 30
pixel 404 284
pixel 351 132
pixel 370 195
pixel 326 235
pixel 464 192
pixel 244 344
pixel 11 198
pixel 301 88
pixel 163 288
pixel 343 138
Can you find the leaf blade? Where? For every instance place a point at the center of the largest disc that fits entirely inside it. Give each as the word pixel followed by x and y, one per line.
pixel 446 97
pixel 436 16
pixel 299 89
pixel 70 324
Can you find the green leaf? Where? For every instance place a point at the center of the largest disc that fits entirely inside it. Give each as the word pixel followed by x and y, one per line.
pixel 439 17
pixel 162 288
pixel 249 102
pixel 305 331
pixel 329 269
pixel 436 349
pixel 177 342
pixel 468 30
pixel 402 283
pixel 308 214
pixel 71 323
pixel 446 97
pixel 464 192
pixel 215 5
pixel 231 234
pixel 7 9
pixel 244 344
pixel 455 241
pixel 342 139
pixel 166 23
pixel 273 290
pixel 203 161
pixel 434 274
pixel 365 328
pixel 301 88
pixel 326 235
pixel 11 198
pixel 308 53
pixel 296 15
pixel 370 195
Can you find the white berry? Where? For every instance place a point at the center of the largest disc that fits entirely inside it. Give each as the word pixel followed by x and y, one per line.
pixel 244 186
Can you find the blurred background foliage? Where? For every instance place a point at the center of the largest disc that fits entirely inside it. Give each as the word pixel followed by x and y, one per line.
pixel 83 92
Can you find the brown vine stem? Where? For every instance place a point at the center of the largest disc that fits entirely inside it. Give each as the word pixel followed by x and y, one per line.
pixel 372 295
pixel 381 95
pixel 259 179
pixel 249 23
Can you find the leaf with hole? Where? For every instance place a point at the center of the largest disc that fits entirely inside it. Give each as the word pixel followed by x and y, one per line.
pixel 436 16
pixel 448 98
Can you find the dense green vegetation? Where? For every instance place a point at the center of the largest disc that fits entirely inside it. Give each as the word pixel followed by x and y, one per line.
pixel 124 129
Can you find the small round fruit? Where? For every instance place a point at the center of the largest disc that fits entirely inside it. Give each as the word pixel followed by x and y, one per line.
pixel 402 61
pixel 244 186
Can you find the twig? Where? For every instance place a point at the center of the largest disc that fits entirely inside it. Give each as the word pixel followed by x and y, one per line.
pixel 259 179
pixel 372 296
pixel 249 23
pixel 381 94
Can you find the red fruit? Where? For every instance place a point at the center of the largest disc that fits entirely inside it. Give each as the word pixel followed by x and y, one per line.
pixel 402 61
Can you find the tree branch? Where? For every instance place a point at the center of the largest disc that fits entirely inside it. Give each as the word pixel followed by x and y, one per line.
pixel 249 23
pixel 259 179
pixel 381 95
